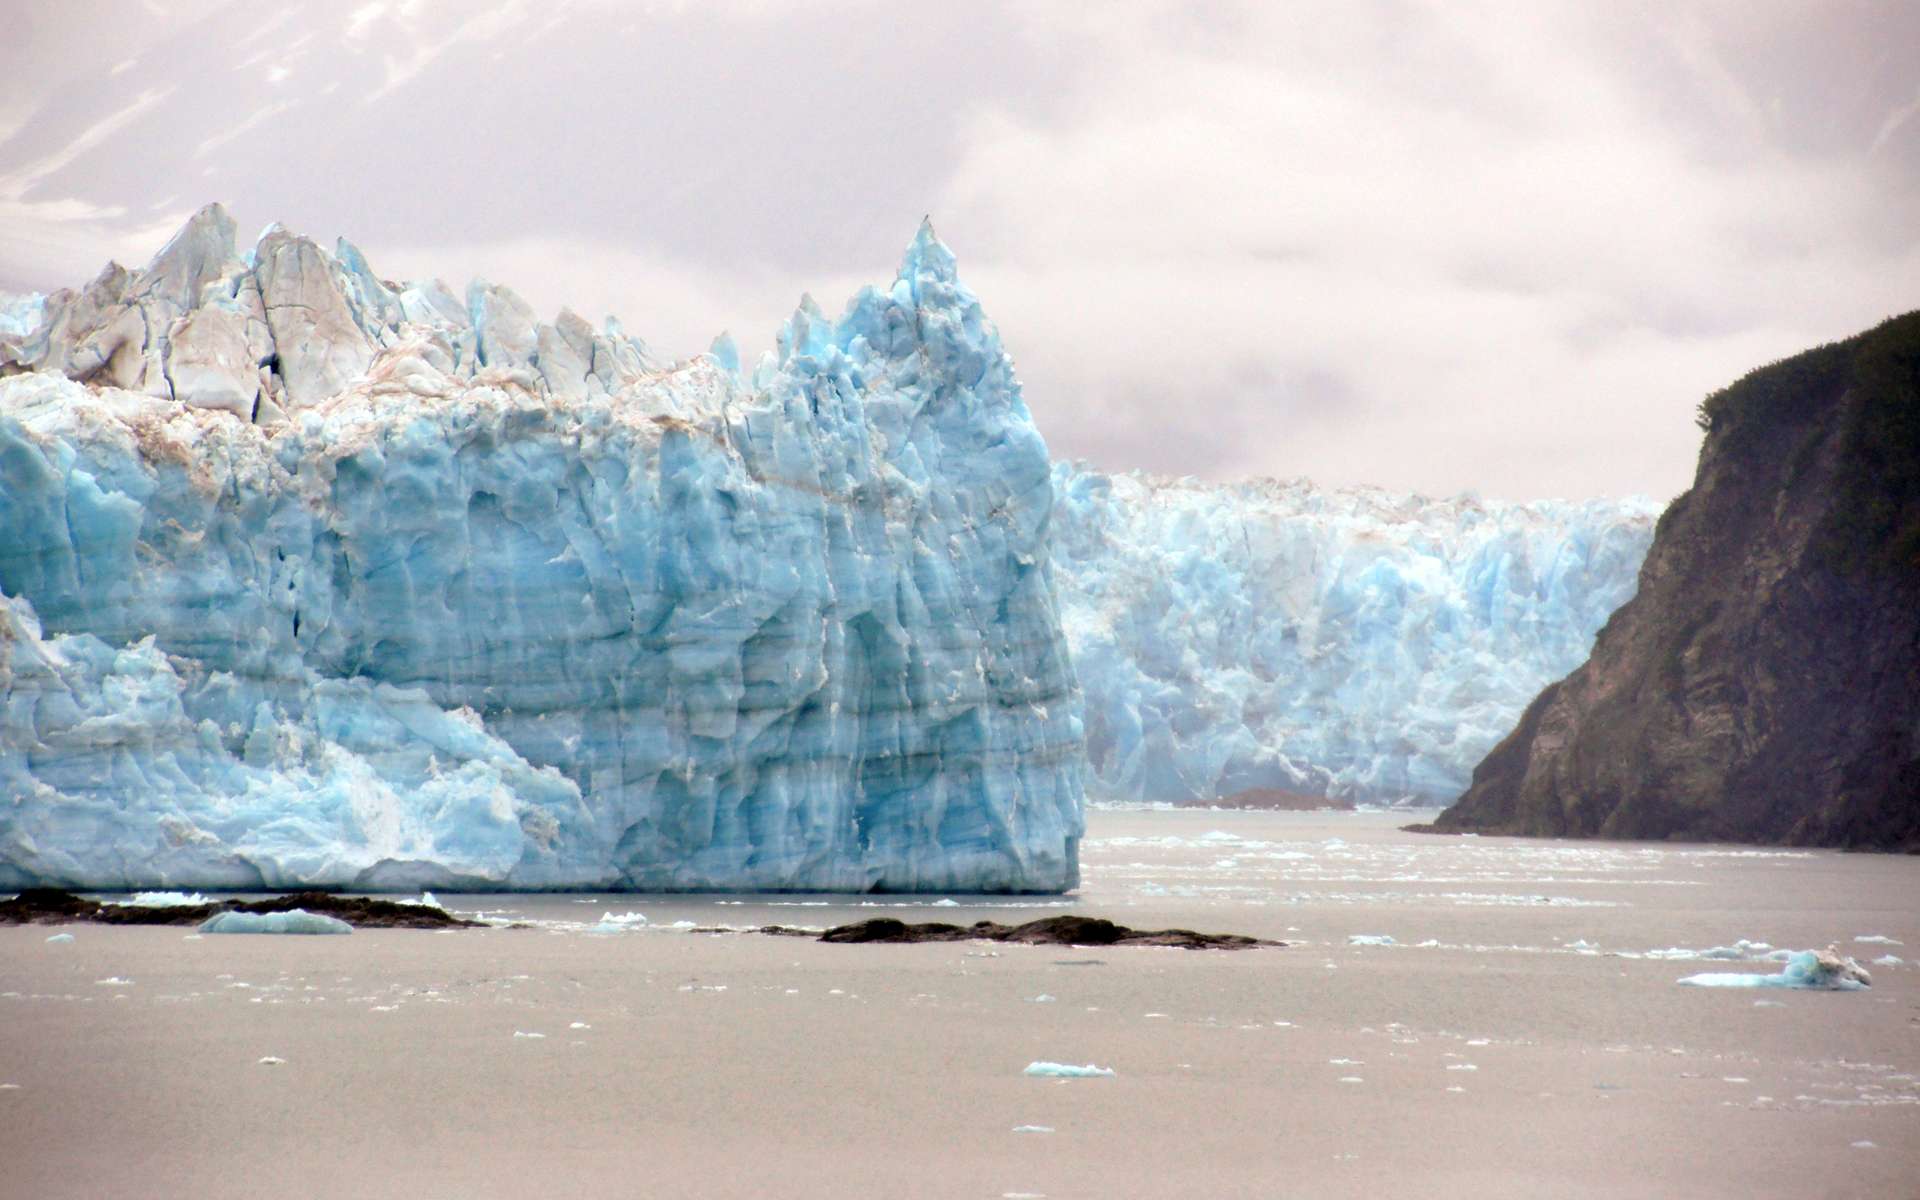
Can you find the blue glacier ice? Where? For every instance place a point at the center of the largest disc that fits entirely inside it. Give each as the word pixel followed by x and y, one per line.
pixel 292 921
pixel 312 578
pixel 1348 643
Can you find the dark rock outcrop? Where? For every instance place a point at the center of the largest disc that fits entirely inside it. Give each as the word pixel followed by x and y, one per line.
pixel 1764 684
pixel 51 906
pixel 1049 931
pixel 1282 800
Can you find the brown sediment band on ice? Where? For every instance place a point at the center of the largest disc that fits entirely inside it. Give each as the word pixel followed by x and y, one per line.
pixel 52 906
pixel 1048 931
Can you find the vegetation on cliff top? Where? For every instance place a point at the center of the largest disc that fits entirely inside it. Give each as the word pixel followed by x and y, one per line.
pixel 1874 523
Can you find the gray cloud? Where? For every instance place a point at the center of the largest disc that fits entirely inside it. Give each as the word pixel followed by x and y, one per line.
pixel 1436 247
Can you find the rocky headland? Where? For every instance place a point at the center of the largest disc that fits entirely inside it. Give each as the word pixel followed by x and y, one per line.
pixel 1764 683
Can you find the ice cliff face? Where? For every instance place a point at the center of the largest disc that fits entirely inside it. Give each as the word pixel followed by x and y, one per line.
pixel 311 578
pixel 1351 644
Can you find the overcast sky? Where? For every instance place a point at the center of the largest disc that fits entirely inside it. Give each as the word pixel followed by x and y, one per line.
pixel 1502 247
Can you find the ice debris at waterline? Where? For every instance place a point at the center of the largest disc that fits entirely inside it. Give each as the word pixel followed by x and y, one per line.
pixel 1054 1070
pixel 1817 970
pixel 313 579
pixel 1274 639
pixel 297 920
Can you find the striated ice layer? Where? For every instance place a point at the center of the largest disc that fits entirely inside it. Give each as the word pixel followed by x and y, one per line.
pixel 308 578
pixel 1352 644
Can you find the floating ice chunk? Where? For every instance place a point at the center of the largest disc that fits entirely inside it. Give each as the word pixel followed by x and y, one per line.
pixel 1370 939
pixel 611 922
pixel 1885 960
pixel 114 981
pixel 294 920
pixel 60 939
pixel 1042 998
pixel 272 1060
pixel 1583 946
pixel 1056 1070
pixel 1741 951
pixel 1806 969
pixel 1863 1144
pixel 1878 939
pixel 1033 1129
pixel 946 902
pixel 523 1034
pixel 9 1087
pixel 1351 1079
pixel 1462 1067
pixel 682 925
pixel 579 1025
pixel 162 900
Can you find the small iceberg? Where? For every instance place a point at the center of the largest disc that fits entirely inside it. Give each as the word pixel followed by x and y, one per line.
pixel 612 922
pixel 295 920
pixel 1824 970
pixel 60 939
pixel 1370 939
pixel 1054 1070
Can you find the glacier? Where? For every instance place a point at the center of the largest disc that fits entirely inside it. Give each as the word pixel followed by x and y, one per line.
pixel 311 578
pixel 1352 644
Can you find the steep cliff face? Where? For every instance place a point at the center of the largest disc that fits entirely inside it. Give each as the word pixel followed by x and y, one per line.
pixel 1764 683
pixel 309 579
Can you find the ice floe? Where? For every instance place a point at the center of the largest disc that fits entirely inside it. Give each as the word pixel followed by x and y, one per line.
pixel 294 921
pixel 1054 1070
pixel 1805 969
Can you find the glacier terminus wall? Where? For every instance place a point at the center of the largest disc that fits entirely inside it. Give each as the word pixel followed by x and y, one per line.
pixel 1353 644
pixel 312 578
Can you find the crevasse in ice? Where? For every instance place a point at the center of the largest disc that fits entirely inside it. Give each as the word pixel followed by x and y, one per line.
pixel 310 578
pixel 1351 643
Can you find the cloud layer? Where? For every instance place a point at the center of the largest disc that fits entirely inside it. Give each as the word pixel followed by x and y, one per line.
pixel 1431 247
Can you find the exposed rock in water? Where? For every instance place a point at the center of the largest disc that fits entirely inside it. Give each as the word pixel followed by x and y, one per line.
pixel 1764 684
pixel 51 906
pixel 1282 800
pixel 1048 931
